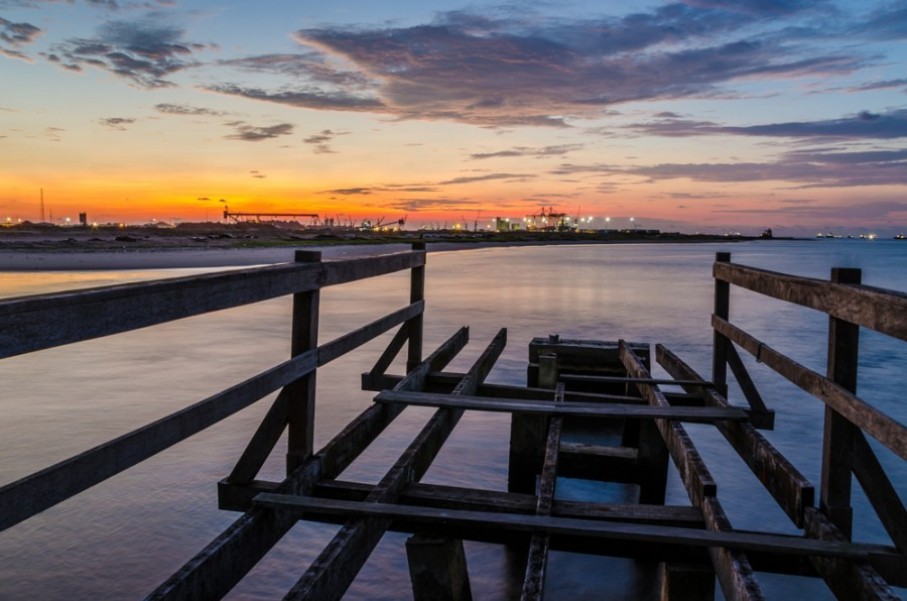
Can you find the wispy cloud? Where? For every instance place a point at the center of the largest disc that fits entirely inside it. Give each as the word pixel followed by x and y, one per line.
pixel 184 109
pixel 253 133
pixel 469 179
pixel 322 141
pixel 524 151
pixel 15 35
pixel 863 125
pixel 145 52
pixel 118 123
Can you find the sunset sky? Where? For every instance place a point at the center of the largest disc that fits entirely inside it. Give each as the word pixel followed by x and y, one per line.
pixel 698 115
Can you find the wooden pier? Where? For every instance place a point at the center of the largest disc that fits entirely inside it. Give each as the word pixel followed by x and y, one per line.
pixel 605 385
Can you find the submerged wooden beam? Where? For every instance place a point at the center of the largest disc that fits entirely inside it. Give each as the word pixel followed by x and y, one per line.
pixel 863 415
pixel 597 410
pixel 300 505
pixel 790 489
pixel 537 562
pixel 734 571
pixel 335 568
pixel 230 556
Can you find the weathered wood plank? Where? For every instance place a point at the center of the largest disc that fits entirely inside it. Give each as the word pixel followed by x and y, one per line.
pixel 868 418
pixel 453 497
pixel 693 471
pixel 228 558
pixel 416 295
pixel 846 579
pixel 873 308
pixel 32 494
pixel 337 565
pixel 691 414
pixel 537 562
pixel 761 417
pixel 839 433
pixel 620 380
pixel 757 541
pixel 344 344
pixel 880 491
pixel 720 343
pixel 301 393
pixel 735 574
pixel 93 313
pixel 790 489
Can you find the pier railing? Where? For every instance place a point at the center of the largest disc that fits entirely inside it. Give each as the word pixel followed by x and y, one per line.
pixel 849 419
pixel 45 321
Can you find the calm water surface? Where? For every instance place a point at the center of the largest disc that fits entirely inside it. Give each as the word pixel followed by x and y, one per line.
pixel 123 537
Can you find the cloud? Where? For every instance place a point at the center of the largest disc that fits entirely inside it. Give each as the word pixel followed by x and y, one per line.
pixel 144 52
pixel 15 35
pixel 117 123
pixel 183 109
pixel 321 141
pixel 252 133
pixel 807 169
pixel 863 125
pixel 528 71
pixel 524 151
pixel 414 205
pixel 516 177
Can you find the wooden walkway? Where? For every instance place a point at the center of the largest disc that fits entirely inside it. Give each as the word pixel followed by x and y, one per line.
pixel 606 385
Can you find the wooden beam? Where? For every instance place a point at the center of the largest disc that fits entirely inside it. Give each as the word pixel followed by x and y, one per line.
pixel 537 562
pixel 301 393
pixel 839 433
pixel 340 346
pixel 92 313
pixel 756 541
pixel 695 475
pixel 874 308
pixel 720 343
pixel 860 413
pixel 790 489
pixel 761 417
pixel 620 380
pixel 476 403
pixel 337 565
pixel 453 497
pixel 415 323
pixel 880 491
pixel 32 494
pixel 735 574
pixel 846 579
pixel 230 556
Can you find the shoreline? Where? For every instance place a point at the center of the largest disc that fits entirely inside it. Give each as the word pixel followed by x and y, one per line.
pixel 162 257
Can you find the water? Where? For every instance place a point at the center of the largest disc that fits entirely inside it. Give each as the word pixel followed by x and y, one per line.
pixel 123 537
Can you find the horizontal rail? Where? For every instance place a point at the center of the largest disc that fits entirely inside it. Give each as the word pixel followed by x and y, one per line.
pixel 39 322
pixel 597 410
pixel 754 541
pixel 32 494
pixel 877 424
pixel 873 308
pixel 621 380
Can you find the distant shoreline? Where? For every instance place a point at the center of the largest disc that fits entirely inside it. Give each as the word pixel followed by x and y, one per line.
pixel 76 249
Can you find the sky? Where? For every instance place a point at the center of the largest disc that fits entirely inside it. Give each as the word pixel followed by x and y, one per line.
pixel 695 115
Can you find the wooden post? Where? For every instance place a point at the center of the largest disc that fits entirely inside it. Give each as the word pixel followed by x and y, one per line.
pixel 529 432
pixel 838 441
pixel 720 344
pixel 652 460
pixel 437 568
pixel 416 294
pixel 301 393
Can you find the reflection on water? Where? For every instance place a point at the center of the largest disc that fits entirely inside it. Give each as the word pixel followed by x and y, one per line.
pixel 121 538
